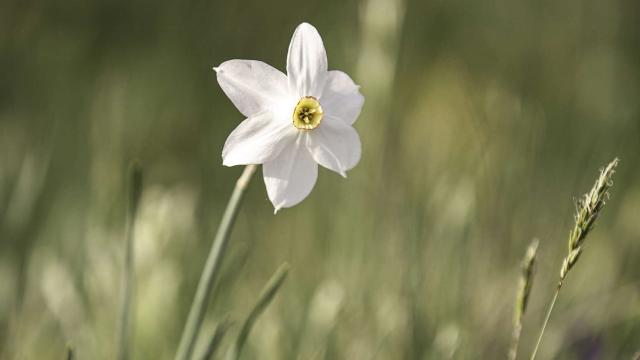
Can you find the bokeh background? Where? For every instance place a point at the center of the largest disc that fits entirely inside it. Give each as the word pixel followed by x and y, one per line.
pixel 483 121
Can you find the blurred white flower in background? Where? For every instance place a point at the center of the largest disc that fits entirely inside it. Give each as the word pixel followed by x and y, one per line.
pixel 294 121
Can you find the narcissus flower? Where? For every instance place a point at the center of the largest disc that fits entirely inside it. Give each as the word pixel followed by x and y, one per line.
pixel 294 121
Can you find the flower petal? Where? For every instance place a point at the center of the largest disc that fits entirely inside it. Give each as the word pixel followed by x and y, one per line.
pixel 341 97
pixel 252 85
pixel 291 176
pixel 335 145
pixel 256 140
pixel 306 62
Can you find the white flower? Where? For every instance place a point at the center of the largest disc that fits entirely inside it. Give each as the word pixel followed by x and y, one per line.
pixel 294 121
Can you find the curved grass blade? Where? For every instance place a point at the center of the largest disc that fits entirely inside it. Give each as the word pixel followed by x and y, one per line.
pixel 265 298
pixel 215 339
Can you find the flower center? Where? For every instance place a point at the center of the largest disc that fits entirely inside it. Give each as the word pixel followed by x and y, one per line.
pixel 307 114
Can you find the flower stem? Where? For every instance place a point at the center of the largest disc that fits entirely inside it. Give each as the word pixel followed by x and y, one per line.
pixel 546 321
pixel 212 266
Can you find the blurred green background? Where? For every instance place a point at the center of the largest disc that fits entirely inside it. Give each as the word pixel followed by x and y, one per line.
pixel 483 121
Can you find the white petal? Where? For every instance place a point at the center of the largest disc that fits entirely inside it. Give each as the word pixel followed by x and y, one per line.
pixel 252 85
pixel 306 62
pixel 290 177
pixel 256 140
pixel 341 97
pixel 335 145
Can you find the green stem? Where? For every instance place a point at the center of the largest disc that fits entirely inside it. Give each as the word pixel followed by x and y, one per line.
pixel 135 190
pixel 515 340
pixel 546 321
pixel 70 352
pixel 212 266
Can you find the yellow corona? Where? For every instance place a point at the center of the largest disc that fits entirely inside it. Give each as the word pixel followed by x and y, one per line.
pixel 307 114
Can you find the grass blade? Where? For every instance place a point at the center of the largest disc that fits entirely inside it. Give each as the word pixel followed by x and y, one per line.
pixel 266 296
pixel 135 190
pixel 70 352
pixel 525 285
pixel 215 339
